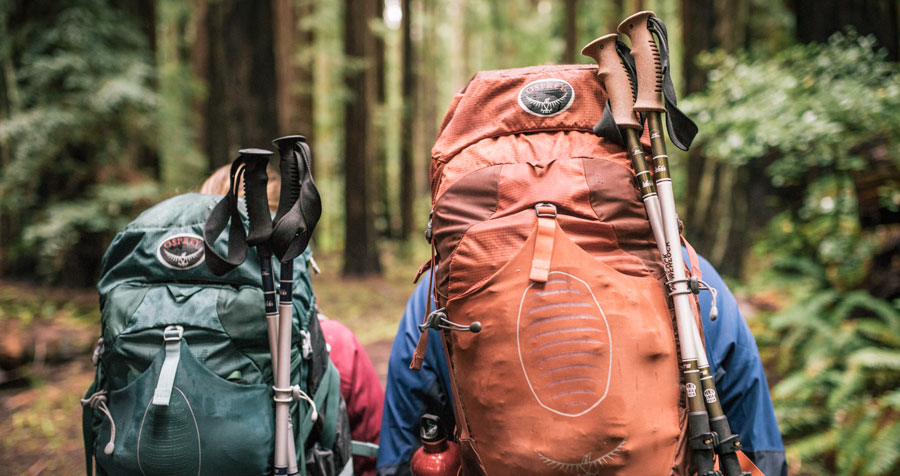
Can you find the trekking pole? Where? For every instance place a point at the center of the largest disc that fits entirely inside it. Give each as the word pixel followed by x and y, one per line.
pixel 256 196
pixel 299 208
pixel 617 83
pixel 640 27
pixel 619 90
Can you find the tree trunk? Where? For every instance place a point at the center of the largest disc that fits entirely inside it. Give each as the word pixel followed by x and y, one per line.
pixel 407 146
pixel 818 19
pixel 241 79
pixel 615 15
pixel 697 20
pixel 383 190
pixel 360 251
pixel 286 38
pixel 571 32
pixel 143 12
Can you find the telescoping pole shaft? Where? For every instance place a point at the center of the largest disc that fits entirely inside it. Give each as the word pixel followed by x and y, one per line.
pixel 617 83
pixel 700 386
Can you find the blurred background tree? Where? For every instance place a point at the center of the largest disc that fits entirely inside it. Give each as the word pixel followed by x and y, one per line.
pixel 792 188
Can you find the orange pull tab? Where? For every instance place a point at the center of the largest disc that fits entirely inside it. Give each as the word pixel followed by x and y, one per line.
pixel 543 244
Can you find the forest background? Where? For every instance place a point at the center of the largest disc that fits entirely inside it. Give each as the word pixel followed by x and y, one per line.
pixel 792 188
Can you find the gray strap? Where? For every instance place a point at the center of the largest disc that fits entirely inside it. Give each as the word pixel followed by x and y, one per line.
pixel 348 468
pixel 172 337
pixel 364 448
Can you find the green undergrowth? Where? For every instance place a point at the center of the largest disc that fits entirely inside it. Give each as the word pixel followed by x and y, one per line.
pixel 836 358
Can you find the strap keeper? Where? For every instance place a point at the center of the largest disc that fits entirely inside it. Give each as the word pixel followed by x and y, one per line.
pixel 545 210
pixel 173 333
pixel 172 336
pixel 703 441
pixel 729 445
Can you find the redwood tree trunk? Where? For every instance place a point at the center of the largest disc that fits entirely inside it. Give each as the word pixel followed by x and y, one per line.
pixel 571 32
pixel 360 251
pixel 240 109
pixel 818 19
pixel 407 163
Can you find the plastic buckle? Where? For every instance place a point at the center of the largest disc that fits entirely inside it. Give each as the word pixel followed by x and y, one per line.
pixel 694 284
pixel 179 333
pixel 546 210
pixel 428 232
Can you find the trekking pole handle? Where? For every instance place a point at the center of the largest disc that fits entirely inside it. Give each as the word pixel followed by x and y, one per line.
pixel 255 194
pixel 615 79
pixel 646 61
pixel 290 169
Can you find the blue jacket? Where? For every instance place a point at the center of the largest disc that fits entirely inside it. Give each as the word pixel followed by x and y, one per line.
pixel 730 347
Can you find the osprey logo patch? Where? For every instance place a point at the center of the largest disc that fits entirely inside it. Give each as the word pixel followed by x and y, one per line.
pixel 182 251
pixel 546 97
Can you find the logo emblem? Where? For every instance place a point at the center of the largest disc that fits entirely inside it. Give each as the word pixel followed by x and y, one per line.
pixel 546 97
pixel 710 395
pixel 182 251
pixel 691 390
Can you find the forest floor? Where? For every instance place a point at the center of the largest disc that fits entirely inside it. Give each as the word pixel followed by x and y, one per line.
pixel 48 335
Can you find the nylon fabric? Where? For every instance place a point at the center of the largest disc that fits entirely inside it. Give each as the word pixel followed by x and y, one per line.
pixel 544 384
pixel 543 249
pixel 172 440
pixel 682 129
pixel 582 350
pixel 225 334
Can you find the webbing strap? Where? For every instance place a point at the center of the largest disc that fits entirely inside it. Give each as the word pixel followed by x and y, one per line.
pixel 163 392
pixel 226 209
pixel 364 448
pixel 459 414
pixel 693 260
pixel 682 129
pixel 299 206
pixel 250 169
pixel 330 389
pixel 543 244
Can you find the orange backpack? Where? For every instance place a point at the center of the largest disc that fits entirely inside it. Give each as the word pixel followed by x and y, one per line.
pixel 541 239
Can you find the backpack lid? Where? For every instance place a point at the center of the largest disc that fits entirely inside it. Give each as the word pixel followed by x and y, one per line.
pixel 521 100
pixel 165 244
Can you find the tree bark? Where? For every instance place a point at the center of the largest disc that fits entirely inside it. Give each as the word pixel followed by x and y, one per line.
pixel 143 12
pixel 383 190
pixel 360 250
pixel 818 19
pixel 407 146
pixel 240 108
pixel 571 32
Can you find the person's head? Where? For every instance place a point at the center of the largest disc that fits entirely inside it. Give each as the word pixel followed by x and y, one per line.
pixel 218 182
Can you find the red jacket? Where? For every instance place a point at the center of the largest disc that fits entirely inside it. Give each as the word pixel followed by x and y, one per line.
pixel 360 388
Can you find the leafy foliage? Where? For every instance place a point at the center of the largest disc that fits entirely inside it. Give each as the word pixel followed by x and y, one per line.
pixel 82 112
pixel 839 406
pixel 819 119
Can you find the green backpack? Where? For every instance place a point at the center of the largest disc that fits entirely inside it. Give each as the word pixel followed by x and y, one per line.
pixel 184 380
